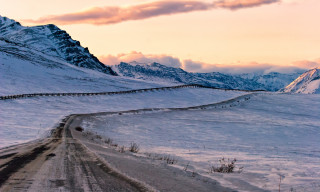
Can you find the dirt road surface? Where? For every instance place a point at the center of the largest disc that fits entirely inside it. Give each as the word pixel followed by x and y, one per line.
pixel 67 161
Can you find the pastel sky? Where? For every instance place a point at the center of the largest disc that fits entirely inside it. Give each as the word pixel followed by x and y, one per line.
pixel 196 35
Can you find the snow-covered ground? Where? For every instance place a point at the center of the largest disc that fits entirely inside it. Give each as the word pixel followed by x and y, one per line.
pixel 271 135
pixel 28 71
pixel 26 119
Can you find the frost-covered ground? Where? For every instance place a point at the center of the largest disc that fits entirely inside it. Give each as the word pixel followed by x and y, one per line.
pixel 26 119
pixel 270 135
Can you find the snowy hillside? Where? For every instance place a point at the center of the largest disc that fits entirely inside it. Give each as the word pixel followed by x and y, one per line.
pixel 270 135
pixel 26 70
pixel 308 82
pixel 158 72
pixel 34 116
pixel 53 41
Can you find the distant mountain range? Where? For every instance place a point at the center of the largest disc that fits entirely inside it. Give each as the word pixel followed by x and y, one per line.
pixel 49 46
pixel 157 72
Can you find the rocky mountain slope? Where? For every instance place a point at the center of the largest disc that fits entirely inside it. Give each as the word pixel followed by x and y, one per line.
pixel 31 65
pixel 51 40
pixel 308 82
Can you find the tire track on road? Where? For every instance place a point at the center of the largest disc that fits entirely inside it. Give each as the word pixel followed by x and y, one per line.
pixel 60 162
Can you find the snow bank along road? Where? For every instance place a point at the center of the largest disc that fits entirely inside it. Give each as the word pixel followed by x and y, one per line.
pixel 115 93
pixel 62 162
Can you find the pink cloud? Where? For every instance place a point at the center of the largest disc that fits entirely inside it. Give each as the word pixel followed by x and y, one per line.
pixel 307 64
pixel 141 58
pixel 112 15
pixel 252 67
pixel 238 4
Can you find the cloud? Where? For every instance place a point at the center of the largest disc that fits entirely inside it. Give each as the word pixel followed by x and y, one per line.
pixel 307 64
pixel 252 67
pixel 141 58
pixel 113 14
pixel 201 67
pixel 238 4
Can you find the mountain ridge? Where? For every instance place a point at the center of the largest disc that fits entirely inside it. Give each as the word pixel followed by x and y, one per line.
pixel 308 83
pixel 157 72
pixel 53 41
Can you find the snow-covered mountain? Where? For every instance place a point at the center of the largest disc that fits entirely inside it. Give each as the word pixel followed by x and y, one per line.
pixel 308 82
pixel 272 81
pixel 51 40
pixel 50 46
pixel 46 59
pixel 158 72
pixel 26 70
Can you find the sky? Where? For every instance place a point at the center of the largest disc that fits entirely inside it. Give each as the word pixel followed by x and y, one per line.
pixel 199 36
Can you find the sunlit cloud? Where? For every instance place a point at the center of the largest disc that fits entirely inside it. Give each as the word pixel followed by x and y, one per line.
pixel 201 67
pixel 113 14
pixel 238 4
pixel 252 67
pixel 307 64
pixel 141 58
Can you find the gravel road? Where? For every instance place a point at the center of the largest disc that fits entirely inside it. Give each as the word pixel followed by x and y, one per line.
pixel 67 161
